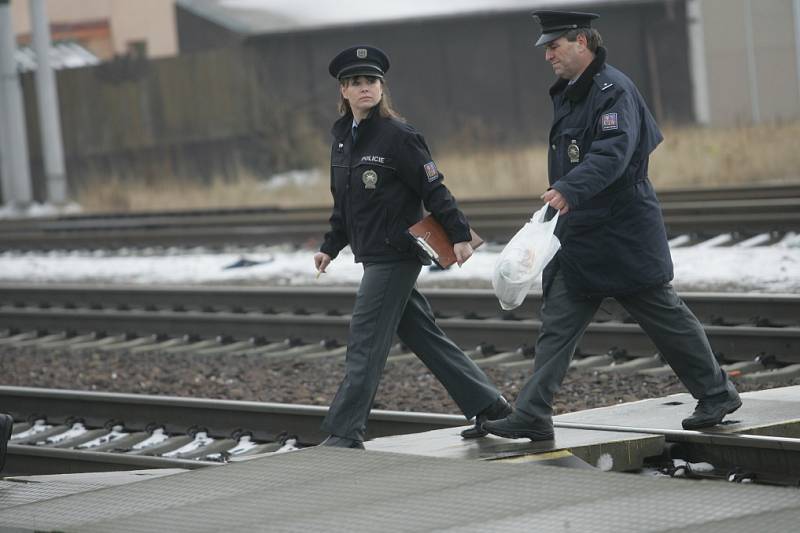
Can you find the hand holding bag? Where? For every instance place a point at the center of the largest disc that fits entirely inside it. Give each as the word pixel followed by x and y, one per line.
pixel 524 258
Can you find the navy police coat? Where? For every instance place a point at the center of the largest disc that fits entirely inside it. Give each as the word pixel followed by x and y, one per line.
pixel 379 185
pixel 613 239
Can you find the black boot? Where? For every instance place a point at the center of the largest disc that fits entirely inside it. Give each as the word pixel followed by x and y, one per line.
pixel 342 442
pixel 500 408
pixel 6 425
pixel 514 427
pixel 711 412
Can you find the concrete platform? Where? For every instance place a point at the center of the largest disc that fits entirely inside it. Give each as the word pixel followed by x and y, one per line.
pixel 773 412
pixel 769 413
pixel 760 411
pixel 440 482
pixel 324 489
pixel 603 449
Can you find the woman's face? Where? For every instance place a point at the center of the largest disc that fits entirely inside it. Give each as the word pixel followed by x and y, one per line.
pixel 362 93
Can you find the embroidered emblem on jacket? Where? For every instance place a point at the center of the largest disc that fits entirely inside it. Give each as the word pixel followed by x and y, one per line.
pixel 373 159
pixel 431 171
pixel 609 122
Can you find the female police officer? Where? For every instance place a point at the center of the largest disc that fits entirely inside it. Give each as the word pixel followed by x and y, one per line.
pixel 381 175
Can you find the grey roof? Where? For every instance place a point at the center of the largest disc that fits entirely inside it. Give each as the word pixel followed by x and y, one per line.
pixel 252 17
pixel 62 55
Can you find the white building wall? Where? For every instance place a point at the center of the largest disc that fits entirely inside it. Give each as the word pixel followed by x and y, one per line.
pixel 769 91
pixel 152 21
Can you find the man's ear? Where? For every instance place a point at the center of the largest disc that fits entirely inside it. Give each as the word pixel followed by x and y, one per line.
pixel 582 40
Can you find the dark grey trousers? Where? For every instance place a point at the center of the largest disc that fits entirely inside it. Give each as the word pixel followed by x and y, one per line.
pixel 660 312
pixel 387 303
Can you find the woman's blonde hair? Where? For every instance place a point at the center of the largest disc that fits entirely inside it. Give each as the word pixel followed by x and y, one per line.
pixel 385 108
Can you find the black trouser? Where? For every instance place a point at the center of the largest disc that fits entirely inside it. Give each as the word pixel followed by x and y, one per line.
pixel 660 312
pixel 387 303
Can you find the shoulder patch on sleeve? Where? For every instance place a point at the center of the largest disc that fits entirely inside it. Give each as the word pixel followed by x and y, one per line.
pixel 608 121
pixel 431 171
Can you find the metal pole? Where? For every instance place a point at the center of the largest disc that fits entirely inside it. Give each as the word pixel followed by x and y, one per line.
pixel 796 11
pixel 17 189
pixel 47 96
pixel 697 60
pixel 751 60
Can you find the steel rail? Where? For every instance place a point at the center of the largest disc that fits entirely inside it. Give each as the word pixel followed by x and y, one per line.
pixel 35 460
pixel 486 212
pixel 740 343
pixel 711 308
pixel 495 230
pixel 265 420
pixel 224 417
pixel 237 215
pixel 177 415
pixel 496 220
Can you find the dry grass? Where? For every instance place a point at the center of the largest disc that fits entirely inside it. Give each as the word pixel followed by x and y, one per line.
pixel 689 157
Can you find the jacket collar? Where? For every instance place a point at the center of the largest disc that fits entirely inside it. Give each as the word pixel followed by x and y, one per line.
pixel 341 128
pixel 578 90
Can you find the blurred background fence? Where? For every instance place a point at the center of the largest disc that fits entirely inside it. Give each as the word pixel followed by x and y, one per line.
pixel 245 97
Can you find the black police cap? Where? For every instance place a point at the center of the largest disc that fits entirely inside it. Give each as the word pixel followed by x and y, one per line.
pixel 557 23
pixel 359 61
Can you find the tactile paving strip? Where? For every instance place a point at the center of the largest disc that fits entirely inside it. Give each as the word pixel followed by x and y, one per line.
pixel 20 490
pixel 14 493
pixel 323 489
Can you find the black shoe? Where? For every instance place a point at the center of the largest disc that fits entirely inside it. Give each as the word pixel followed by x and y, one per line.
pixel 513 427
pixel 499 409
pixel 710 413
pixel 342 442
pixel 6 425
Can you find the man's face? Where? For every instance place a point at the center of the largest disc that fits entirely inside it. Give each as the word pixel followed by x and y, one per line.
pixel 568 58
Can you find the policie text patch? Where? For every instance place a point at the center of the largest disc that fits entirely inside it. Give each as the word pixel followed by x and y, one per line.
pixel 609 122
pixel 431 171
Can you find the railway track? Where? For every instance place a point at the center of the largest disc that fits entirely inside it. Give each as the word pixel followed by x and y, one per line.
pixel 60 431
pixel 743 211
pixel 310 323
pixel 64 431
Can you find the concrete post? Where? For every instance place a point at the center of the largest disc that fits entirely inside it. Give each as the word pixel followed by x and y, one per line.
pixel 796 12
pixel 47 96
pixel 697 61
pixel 752 75
pixel 17 190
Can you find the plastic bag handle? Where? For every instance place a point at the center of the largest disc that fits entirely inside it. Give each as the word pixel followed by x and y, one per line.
pixel 544 212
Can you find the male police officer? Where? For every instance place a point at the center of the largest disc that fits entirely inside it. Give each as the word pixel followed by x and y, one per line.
pixel 613 238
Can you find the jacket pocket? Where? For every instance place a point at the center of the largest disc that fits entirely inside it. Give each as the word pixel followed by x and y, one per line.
pixel 395 231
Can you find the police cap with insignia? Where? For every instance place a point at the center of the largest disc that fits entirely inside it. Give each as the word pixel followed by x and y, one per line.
pixel 359 61
pixel 557 23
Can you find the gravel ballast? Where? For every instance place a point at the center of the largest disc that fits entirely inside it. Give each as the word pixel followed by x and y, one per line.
pixel 405 386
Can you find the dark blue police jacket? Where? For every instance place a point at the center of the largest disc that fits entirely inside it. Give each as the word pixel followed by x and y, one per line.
pixel 613 239
pixel 379 184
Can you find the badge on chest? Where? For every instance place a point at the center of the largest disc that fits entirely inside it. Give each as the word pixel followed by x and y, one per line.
pixel 574 152
pixel 370 179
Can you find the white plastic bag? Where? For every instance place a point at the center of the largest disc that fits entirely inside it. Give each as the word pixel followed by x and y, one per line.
pixel 524 258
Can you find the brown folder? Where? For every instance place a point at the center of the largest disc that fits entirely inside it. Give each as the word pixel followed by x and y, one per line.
pixel 431 238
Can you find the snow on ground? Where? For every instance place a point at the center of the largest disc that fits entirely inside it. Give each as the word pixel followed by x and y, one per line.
pixel 774 269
